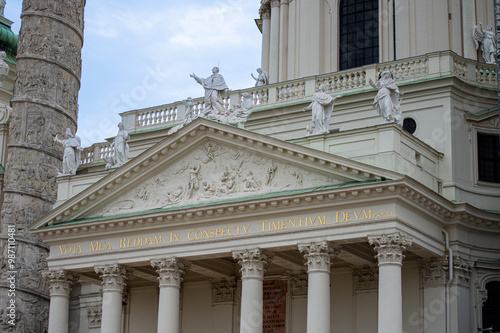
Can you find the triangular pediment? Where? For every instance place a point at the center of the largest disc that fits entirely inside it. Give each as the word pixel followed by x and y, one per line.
pixel 208 163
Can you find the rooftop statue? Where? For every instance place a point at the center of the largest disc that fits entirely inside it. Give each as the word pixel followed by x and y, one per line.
pixel 72 153
pixel 214 86
pixel 322 108
pixel 487 41
pixel 2 7
pixel 388 99
pixel 121 146
pixel 262 78
pixel 189 116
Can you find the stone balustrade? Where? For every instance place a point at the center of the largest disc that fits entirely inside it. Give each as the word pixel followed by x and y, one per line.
pixel 429 66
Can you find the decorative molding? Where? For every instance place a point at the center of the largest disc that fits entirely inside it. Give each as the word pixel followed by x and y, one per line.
pixel 319 256
pixel 252 263
pixel 390 248
pixel 60 282
pixel 94 314
pixel 298 284
pixel 114 277
pixel 461 270
pixel 223 290
pixel 365 278
pixel 170 271
pixel 433 272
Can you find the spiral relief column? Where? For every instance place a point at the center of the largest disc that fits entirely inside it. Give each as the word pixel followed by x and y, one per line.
pixel 45 103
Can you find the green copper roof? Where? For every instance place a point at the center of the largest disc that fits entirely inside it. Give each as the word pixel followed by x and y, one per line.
pixel 8 42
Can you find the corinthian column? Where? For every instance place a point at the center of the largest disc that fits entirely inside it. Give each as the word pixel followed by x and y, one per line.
pixel 252 264
pixel 275 42
pixel 390 256
pixel 170 271
pixel 265 14
pixel 319 259
pixel 60 283
pixel 114 280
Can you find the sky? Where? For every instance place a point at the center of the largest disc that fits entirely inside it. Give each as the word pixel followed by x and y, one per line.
pixel 139 54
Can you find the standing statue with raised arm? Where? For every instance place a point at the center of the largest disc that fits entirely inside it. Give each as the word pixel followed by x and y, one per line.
pixel 121 146
pixel 214 86
pixel 388 99
pixel 322 108
pixel 262 78
pixel 72 153
pixel 487 41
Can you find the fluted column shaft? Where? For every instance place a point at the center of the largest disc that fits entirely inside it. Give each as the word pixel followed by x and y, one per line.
pixel 252 264
pixel 319 258
pixel 390 256
pixel 60 283
pixel 275 42
pixel 265 13
pixel 170 271
pixel 114 280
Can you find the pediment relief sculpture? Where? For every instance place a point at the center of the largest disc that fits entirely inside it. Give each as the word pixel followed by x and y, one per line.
pixel 214 172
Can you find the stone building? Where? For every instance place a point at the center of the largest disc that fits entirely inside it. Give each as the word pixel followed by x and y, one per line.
pixel 370 227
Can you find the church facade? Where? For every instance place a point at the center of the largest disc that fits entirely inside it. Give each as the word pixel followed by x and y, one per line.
pixel 262 227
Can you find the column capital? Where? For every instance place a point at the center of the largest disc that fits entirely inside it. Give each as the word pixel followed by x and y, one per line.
pixel 252 262
pixel 60 282
pixel 275 3
pixel 170 271
pixel 114 277
pixel 461 270
pixel 432 272
pixel 390 247
pixel 319 256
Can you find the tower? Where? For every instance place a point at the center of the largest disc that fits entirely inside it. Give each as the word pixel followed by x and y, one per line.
pixel 45 103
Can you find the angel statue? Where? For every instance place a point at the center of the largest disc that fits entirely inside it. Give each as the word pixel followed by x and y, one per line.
pixel 487 41
pixel 72 153
pixel 322 107
pixel 388 99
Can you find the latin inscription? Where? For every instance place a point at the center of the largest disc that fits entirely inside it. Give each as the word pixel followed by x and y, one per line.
pixel 263 226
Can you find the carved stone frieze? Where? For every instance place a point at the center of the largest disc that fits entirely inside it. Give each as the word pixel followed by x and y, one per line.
pixel 365 278
pixel 60 282
pixel 223 290
pixel 433 272
pixel 390 247
pixel 170 271
pixel 114 277
pixel 94 315
pixel 298 284
pixel 461 270
pixel 319 256
pixel 252 262
pixel 214 172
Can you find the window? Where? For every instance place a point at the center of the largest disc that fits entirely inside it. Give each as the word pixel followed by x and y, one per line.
pixel 488 158
pixel 358 33
pixel 491 308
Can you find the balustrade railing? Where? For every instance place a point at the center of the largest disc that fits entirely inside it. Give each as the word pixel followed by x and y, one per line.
pixel 431 65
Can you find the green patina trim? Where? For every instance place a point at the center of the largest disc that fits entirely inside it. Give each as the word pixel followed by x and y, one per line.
pixel 219 202
pixel 2 170
pixel 480 113
pixel 489 261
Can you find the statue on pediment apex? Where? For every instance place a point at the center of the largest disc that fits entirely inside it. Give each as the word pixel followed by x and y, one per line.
pixel 214 86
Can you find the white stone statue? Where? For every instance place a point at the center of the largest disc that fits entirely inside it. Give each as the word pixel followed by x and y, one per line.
pixel 487 41
pixel 4 68
pixel 189 116
pixel 121 146
pixel 388 99
pixel 262 78
pixel 214 86
pixel 2 7
pixel 72 153
pixel 240 113
pixel 322 108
